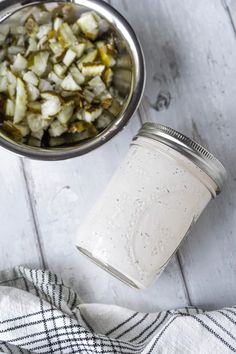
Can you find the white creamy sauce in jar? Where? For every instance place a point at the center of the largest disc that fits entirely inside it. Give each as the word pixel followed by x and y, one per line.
pixel 148 207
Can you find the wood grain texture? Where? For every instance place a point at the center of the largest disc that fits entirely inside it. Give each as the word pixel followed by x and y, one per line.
pixel 19 241
pixel 191 53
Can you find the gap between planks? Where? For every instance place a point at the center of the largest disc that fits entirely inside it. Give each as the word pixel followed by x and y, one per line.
pixel 33 212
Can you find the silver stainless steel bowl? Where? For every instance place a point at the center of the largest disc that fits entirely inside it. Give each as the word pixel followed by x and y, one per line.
pixel 134 91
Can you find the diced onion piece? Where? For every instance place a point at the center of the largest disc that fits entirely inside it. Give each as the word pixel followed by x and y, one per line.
pixel 69 84
pixel 12 130
pixel 14 49
pixel 34 142
pixel 115 108
pixel 97 85
pixel 87 58
pixel 60 69
pixel 23 128
pixel 40 63
pixel 107 59
pixel 21 101
pixel 38 135
pixel 57 23
pixel 104 120
pixel 11 77
pixel 33 47
pixel 89 25
pixel 43 43
pixel 11 91
pixel 57 129
pixel 36 122
pixel 31 27
pixel 88 95
pixel 106 102
pixel 44 30
pixel 3 68
pixel 34 107
pixel 31 78
pixel 51 106
pixel 10 108
pixel 79 127
pixel 45 85
pixel 66 34
pixel 76 74
pixel 57 49
pixel 66 113
pixel 92 69
pixel 91 114
pixel 33 92
pixel 54 78
pixel 69 57
pixel 108 76
pixel 60 140
pixel 79 49
pixel 75 28
pixel 20 63
pixel 3 84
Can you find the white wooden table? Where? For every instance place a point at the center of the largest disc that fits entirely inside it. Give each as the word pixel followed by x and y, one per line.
pixel 190 49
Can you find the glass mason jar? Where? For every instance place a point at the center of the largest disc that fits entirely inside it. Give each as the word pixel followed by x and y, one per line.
pixel 149 206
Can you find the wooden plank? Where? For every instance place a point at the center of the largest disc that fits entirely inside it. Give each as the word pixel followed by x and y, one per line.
pixel 19 242
pixel 63 193
pixel 191 53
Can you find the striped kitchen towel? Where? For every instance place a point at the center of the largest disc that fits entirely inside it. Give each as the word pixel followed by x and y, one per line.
pixel 39 314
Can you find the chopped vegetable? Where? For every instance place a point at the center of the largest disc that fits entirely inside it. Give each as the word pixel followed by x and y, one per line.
pixel 3 84
pixel 31 78
pixel 92 69
pixel 59 74
pixel 60 69
pixel 36 122
pixel 45 85
pixel 20 63
pixel 57 129
pixel 76 74
pixel 10 108
pixel 66 36
pixel 69 57
pixel 91 114
pixel 88 25
pixel 12 130
pixel 79 49
pixel 21 102
pixel 66 113
pixel 57 23
pixel 40 63
pixel 51 106
pixel 69 84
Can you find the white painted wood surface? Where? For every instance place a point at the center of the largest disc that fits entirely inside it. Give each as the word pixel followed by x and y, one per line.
pixel 191 54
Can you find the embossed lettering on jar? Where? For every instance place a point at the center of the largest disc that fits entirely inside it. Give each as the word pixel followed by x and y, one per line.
pixel 151 203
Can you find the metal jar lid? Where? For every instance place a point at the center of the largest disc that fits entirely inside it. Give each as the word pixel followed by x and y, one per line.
pixel 187 147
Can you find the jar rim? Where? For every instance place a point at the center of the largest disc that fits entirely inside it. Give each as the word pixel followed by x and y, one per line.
pixel 188 147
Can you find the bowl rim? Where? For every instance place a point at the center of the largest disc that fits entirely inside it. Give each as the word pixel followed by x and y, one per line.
pixel 121 24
